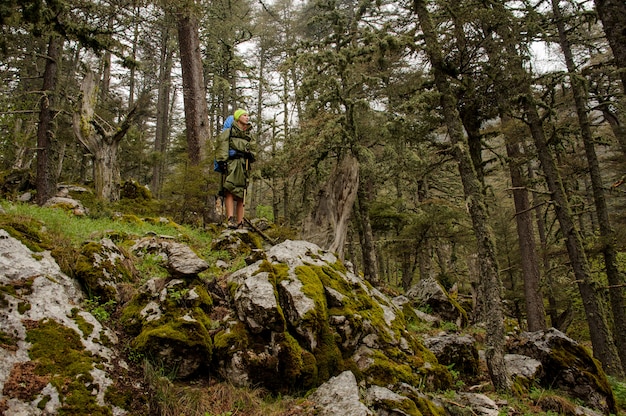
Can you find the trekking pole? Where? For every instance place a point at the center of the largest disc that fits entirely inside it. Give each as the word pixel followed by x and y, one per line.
pixel 245 189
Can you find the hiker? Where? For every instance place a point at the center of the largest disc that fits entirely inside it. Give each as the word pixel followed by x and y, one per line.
pixel 234 153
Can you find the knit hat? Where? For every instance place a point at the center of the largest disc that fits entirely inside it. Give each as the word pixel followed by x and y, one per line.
pixel 240 112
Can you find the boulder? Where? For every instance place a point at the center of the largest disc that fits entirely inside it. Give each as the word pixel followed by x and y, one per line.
pixel 458 351
pixel 101 267
pixel 179 259
pixel 429 293
pixel 169 321
pixel 567 366
pixel 306 317
pixel 41 320
pixel 339 396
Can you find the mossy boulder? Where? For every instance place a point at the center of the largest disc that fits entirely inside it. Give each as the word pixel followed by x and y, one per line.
pixel 307 318
pixel 101 267
pixel 567 366
pixel 170 322
pixel 430 294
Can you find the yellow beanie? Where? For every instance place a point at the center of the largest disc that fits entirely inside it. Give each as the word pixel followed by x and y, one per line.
pixel 240 112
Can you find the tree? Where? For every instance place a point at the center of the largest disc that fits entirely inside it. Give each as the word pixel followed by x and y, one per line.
pixel 194 96
pixel 48 152
pixel 607 234
pixel 101 140
pixel 489 282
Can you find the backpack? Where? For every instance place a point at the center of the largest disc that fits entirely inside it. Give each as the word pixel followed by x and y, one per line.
pixel 228 123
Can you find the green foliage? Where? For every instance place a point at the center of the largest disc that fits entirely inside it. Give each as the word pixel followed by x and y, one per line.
pixel 265 211
pixel 101 311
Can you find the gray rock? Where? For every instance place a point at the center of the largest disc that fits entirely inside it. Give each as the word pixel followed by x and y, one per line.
pixel 457 350
pixel 567 366
pixel 339 396
pixel 429 292
pixel 255 301
pixel 388 403
pixel 51 295
pixel 521 365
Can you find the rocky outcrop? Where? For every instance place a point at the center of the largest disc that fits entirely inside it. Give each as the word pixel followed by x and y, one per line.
pixel 295 319
pixel 567 366
pixel 47 341
pixel 458 351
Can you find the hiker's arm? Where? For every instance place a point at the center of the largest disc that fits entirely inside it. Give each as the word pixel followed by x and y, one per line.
pixel 221 146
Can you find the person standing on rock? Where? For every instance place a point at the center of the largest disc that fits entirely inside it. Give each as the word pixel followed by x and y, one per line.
pixel 235 152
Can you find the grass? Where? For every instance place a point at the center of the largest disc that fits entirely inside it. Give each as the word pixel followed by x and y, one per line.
pixel 216 399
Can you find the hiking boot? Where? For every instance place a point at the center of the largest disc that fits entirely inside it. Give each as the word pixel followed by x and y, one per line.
pixel 231 223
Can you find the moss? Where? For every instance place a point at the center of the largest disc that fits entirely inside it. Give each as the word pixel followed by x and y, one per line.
pixel 290 359
pixel 98 273
pixel 228 341
pixel 130 318
pixel 118 397
pixel 27 230
pixel 23 307
pixel 406 406
pixel 59 354
pixel 85 327
pixel 41 404
pixel 427 407
pixel 327 355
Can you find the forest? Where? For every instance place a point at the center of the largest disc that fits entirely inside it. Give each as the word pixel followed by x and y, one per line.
pixel 480 143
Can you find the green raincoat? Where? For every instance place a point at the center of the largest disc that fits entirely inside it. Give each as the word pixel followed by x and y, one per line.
pixel 235 147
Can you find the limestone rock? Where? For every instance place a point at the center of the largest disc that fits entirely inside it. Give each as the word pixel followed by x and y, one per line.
pixel 428 292
pixel 339 396
pixel 457 350
pixel 43 298
pixel 567 366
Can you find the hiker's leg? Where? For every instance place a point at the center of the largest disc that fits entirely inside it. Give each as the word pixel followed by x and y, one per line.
pixel 229 201
pixel 240 211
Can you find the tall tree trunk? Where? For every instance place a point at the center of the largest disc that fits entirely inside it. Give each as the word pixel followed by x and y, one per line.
pixel 47 146
pixel 535 312
pixel 489 283
pixel 194 97
pixel 603 347
pixel 327 226
pixel 606 232
pixel 162 131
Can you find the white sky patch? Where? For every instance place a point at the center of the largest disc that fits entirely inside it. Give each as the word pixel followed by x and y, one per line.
pixel 546 58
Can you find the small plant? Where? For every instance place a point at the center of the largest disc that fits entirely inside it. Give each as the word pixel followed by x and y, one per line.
pixel 178 295
pixel 449 326
pixel 102 312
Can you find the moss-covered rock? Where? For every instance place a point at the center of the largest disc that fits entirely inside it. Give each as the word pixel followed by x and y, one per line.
pixel 170 322
pixel 100 267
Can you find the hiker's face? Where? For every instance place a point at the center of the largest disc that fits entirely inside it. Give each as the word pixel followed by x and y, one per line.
pixel 244 119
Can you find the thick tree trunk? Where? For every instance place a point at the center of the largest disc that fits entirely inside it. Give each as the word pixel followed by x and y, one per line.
pixel 47 149
pixel 489 283
pixel 101 142
pixel 606 232
pixel 194 96
pixel 327 226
